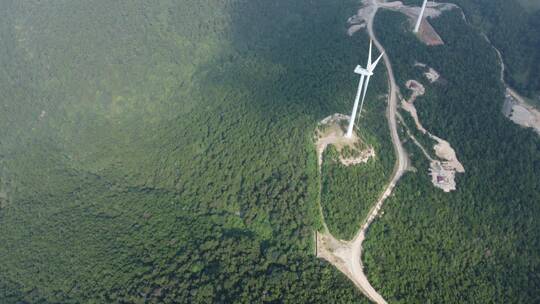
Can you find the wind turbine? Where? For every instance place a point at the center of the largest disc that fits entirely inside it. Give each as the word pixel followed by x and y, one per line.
pixel 417 27
pixel 365 75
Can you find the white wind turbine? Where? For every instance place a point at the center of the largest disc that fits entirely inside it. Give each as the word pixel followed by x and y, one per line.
pixel 367 72
pixel 419 21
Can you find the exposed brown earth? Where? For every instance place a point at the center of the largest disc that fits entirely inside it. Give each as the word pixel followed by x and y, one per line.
pixel 515 107
pixel 427 34
pixel 430 73
pixel 443 173
pixel 408 105
pixel 355 28
pixel 331 131
pixel 442 170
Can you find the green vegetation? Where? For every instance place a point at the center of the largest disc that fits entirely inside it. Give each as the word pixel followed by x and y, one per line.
pixel 162 151
pixel 513 26
pixel 530 5
pixel 349 192
pixel 479 244
pixel 515 31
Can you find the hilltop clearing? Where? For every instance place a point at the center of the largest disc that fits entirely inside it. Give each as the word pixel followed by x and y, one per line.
pixel 331 131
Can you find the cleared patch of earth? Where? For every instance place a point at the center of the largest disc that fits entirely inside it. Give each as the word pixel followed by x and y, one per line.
pixel 331 131
pixel 443 169
pixel 345 256
pixel 520 112
pixel 426 33
pixel 430 73
pixel 353 28
pixel 408 105
pixel 443 173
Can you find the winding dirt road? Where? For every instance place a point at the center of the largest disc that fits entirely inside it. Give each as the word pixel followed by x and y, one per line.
pixel 347 256
pixel 402 162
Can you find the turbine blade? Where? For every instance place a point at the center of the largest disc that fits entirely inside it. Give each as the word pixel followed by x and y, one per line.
pixel 369 56
pixel 417 27
pixel 364 94
pixel 377 61
pixel 355 107
pixel 358 93
pixel 361 85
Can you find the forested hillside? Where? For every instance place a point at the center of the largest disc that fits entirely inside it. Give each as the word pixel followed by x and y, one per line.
pixel 481 243
pixel 163 151
pixel 514 28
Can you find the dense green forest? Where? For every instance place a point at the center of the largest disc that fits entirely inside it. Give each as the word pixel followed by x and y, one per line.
pixel 513 26
pixel 515 30
pixel 481 243
pixel 530 5
pixel 162 151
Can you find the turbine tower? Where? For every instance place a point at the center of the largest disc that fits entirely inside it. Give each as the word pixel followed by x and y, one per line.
pixel 365 75
pixel 417 27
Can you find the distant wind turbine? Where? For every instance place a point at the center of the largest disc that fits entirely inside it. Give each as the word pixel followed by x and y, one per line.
pixel 365 75
pixel 417 27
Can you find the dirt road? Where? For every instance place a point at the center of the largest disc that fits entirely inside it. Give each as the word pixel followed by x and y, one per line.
pixel 347 256
pixel 402 163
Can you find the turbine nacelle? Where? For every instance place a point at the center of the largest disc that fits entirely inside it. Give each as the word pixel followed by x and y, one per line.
pixel 361 71
pixel 362 88
pixel 370 67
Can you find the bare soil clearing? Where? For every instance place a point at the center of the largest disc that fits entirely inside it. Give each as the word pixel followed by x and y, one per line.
pixel 520 112
pixel 443 173
pixel 331 131
pixel 355 28
pixel 430 73
pixel 442 170
pixel 408 105
pixel 427 33
pixel 445 151
pixel 345 256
